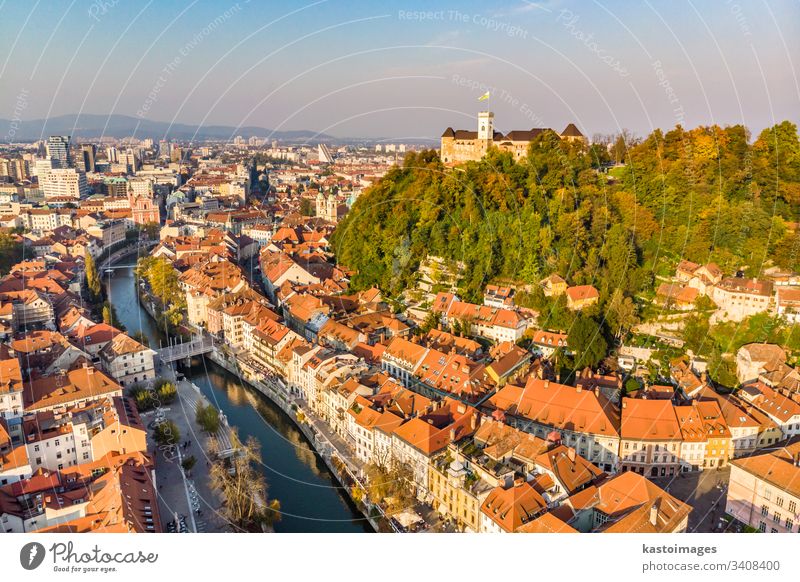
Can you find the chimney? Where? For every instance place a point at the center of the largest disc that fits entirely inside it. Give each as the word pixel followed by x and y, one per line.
pixel 473 421
pixel 452 435
pixel 571 454
pixel 578 388
pixel 654 514
pixel 546 384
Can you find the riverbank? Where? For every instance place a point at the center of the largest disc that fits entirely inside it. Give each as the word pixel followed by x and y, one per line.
pixel 347 471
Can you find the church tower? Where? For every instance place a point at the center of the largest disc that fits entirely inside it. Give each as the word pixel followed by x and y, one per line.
pixel 320 204
pixel 332 204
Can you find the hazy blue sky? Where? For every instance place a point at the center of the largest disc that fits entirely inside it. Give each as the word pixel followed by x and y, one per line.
pixel 378 69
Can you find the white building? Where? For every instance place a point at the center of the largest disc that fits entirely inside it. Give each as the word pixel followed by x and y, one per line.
pixel 63 183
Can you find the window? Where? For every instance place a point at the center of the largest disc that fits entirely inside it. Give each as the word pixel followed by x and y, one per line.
pixel 779 501
pixel 792 507
pixel 764 510
pixel 762 527
pixel 789 524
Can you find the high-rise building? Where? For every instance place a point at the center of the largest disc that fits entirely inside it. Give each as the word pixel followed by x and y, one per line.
pixel 88 153
pixel 58 151
pixel 325 156
pixel 63 183
pixel 129 159
pixel 112 154
pixel 176 154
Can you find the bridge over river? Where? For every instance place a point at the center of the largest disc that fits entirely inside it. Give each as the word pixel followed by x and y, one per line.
pixel 181 351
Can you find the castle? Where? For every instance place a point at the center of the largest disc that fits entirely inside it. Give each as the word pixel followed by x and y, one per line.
pixel 463 145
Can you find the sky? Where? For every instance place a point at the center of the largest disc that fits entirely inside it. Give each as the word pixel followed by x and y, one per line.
pixel 405 70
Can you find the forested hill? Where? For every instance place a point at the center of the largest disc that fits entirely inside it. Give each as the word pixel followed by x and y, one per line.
pixel 705 195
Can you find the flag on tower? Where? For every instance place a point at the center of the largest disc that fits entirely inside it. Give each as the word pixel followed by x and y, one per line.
pixel 484 97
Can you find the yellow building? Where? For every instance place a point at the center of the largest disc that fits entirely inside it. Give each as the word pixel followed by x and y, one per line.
pixel 719 447
pixel 457 493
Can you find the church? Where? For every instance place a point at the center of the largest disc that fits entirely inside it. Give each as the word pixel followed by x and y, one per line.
pixel 329 208
pixel 462 145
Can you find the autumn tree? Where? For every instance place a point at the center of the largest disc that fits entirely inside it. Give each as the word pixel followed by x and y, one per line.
pixel 391 484
pixel 93 284
pixel 243 487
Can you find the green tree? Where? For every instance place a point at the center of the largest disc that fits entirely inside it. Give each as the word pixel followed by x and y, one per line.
pixel 167 433
pixel 208 418
pixel 632 385
pixel 11 251
pixel 188 463
pixel 586 340
pixel 307 207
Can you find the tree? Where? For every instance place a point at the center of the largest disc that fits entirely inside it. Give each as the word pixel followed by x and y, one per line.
pixel 208 418
pixel 166 392
pixel 391 485
pixel 243 488
pixel 632 385
pixel 188 463
pixel 151 230
pixel 167 433
pixel 431 321
pixel 586 340
pixel 110 316
pixel 306 207
pixel 142 397
pixel 11 251
pixel 93 284
pixel 621 314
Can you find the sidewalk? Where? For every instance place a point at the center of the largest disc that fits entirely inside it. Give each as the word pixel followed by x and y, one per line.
pixel 181 493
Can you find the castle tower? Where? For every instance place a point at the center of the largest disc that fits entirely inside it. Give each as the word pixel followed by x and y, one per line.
pixel 486 126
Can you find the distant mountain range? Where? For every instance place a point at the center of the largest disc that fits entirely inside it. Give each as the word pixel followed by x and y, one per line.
pixel 90 126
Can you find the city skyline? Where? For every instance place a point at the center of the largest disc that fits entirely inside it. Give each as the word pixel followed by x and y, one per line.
pixel 404 71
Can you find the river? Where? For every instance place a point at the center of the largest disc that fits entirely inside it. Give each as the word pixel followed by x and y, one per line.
pixel 311 499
